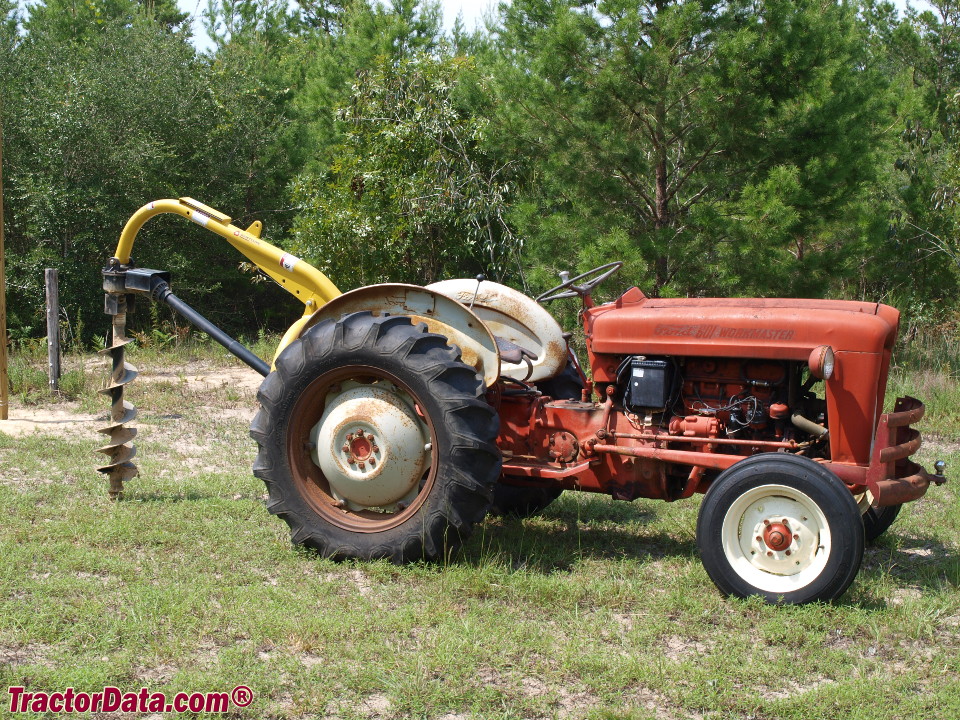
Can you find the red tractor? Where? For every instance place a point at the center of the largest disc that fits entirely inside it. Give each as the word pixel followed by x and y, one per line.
pixel 394 417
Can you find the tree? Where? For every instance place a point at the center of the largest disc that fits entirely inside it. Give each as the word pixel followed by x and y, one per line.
pixel 916 196
pixel 411 194
pixel 332 62
pixel 710 145
pixel 271 22
pixel 94 130
pixel 327 16
pixel 76 19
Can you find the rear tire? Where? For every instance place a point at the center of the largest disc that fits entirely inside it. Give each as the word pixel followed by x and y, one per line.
pixel 375 441
pixel 876 521
pixel 782 527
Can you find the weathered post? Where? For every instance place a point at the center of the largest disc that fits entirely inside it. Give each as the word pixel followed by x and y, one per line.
pixel 53 327
pixel 4 380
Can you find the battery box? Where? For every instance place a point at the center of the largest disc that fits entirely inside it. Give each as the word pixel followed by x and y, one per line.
pixel 650 383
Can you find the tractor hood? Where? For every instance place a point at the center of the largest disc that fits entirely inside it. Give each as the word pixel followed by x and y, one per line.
pixel 775 328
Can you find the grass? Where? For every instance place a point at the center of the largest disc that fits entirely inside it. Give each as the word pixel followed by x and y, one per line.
pixel 597 609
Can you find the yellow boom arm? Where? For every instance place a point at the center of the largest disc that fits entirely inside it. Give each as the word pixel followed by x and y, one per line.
pixel 296 276
pixel 299 278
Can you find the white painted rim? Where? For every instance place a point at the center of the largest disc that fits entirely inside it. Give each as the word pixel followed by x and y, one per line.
pixel 756 563
pixel 393 465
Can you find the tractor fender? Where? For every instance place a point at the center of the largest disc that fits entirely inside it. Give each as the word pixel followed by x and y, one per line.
pixel 512 316
pixel 441 314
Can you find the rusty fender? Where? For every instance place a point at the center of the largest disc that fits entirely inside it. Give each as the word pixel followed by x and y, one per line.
pixel 441 314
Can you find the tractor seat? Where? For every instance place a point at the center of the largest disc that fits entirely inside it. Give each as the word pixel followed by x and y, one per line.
pixel 511 352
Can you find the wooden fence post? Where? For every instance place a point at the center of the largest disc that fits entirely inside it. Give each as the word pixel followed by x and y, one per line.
pixel 53 327
pixel 4 380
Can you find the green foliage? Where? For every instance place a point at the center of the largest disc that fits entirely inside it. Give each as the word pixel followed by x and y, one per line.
pixel 228 21
pixel 79 20
pixel 94 129
pixel 775 148
pixel 368 31
pixel 411 194
pixel 918 54
pixel 91 133
pixel 668 132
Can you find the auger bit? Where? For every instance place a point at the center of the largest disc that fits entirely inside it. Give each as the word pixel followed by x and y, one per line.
pixel 119 448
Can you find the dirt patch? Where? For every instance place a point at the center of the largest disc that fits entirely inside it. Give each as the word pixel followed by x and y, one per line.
pixel 59 419
pixel 677 648
pixel 658 704
pixel 792 689
pixel 33 654
pixel 939 445
pixel 66 418
pixel 354 577
pixel 197 377
pixel 568 704
pixel 158 675
pixel 376 706
pixel 899 596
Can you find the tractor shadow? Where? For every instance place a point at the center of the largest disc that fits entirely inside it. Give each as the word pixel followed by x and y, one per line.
pixel 567 534
pixel 912 564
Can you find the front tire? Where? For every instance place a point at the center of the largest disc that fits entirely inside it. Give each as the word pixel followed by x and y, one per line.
pixel 781 527
pixel 375 441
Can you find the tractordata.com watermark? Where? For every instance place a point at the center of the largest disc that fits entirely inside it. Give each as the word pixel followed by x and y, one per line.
pixel 112 699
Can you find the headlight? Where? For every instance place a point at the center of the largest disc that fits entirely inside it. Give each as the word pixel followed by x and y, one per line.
pixel 822 362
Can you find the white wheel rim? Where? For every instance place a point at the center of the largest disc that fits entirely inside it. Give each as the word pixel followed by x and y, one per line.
pixel 762 553
pixel 371 446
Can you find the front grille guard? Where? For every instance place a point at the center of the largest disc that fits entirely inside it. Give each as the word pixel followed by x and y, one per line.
pixel 892 477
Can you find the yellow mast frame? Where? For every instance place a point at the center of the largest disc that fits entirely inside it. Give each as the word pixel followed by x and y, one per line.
pixel 296 276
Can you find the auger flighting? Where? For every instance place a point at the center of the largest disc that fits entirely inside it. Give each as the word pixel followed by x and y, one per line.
pixel 119 449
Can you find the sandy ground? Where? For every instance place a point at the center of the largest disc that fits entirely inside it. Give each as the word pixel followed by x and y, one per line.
pixel 67 418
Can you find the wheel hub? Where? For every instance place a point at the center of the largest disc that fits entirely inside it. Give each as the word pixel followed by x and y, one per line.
pixel 360 447
pixel 777 535
pixel 371 447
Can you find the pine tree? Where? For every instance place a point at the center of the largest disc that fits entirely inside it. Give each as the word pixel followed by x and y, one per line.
pixel 715 147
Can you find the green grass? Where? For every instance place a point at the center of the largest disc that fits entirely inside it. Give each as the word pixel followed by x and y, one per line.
pixel 597 609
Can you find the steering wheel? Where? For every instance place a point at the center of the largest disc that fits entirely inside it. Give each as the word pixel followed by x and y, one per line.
pixel 569 288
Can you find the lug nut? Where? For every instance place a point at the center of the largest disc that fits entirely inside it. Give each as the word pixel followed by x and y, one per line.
pixel 759 539
pixel 766 522
pixel 361 465
pixel 769 553
pixel 349 437
pixel 789 552
pixel 373 463
pixel 375 448
pixel 345 448
pixel 359 432
pixel 796 537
